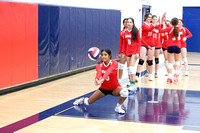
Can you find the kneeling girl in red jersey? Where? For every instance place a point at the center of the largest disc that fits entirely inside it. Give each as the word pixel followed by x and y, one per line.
pixel 106 76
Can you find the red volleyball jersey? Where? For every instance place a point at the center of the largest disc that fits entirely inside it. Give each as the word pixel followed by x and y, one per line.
pixel 121 38
pixel 109 74
pixel 147 35
pixel 183 31
pixel 156 37
pixel 165 39
pixel 172 40
pixel 131 46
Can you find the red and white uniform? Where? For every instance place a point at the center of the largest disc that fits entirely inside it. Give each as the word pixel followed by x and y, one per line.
pixel 183 31
pixel 131 46
pixel 156 37
pixel 109 74
pixel 172 40
pixel 165 40
pixel 147 35
pixel 121 38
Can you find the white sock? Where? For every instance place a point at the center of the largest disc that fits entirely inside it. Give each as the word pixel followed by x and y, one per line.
pixel 86 101
pixel 176 72
pixel 118 105
pixel 170 75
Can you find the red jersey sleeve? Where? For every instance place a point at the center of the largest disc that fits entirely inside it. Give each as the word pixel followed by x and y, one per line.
pixel 168 29
pixel 168 25
pixel 110 69
pixel 139 42
pixel 188 32
pixel 124 46
pixel 147 28
pixel 99 71
pixel 120 41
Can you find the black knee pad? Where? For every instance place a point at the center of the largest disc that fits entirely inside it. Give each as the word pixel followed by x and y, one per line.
pixel 147 61
pixel 150 62
pixel 157 60
pixel 141 61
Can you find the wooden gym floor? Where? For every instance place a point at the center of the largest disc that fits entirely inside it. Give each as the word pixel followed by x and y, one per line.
pixel 156 107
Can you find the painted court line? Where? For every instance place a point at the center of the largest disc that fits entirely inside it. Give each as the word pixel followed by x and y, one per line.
pixel 64 110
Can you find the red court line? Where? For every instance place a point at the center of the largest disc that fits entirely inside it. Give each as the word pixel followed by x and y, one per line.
pixel 20 124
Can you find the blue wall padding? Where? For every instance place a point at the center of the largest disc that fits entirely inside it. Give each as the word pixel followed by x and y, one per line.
pixel 65 40
pixel 191 19
pixel 66 34
pixel 43 41
pixel 54 41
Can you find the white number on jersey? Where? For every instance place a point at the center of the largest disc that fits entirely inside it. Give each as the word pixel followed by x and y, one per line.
pixel 108 78
pixel 129 41
pixel 149 33
pixel 179 38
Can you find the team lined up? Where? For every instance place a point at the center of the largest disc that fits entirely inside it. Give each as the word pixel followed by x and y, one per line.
pixel 171 39
pixel 133 47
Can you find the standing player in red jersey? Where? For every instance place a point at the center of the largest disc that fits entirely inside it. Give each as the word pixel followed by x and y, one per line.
pixel 132 44
pixel 164 39
pixel 183 32
pixel 147 46
pixel 156 37
pixel 106 76
pixel 120 53
pixel 173 49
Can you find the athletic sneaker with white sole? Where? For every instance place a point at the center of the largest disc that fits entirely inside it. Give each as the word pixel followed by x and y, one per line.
pixel 147 74
pixel 119 109
pixel 132 87
pixel 186 73
pixel 136 78
pixel 79 101
pixel 156 75
pixel 150 77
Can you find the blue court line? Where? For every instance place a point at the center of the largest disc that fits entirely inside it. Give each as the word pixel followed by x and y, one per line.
pixel 193 128
pixel 194 64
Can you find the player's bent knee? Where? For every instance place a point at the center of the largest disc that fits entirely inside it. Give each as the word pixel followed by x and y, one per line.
pixel 157 60
pixel 124 92
pixel 150 62
pixel 121 66
pixel 131 70
pixel 141 61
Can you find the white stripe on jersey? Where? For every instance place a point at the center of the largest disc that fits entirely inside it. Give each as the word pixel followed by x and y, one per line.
pixel 127 36
pixel 171 30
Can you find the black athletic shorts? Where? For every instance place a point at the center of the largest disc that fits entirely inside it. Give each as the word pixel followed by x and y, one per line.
pixel 164 49
pixel 106 92
pixel 174 49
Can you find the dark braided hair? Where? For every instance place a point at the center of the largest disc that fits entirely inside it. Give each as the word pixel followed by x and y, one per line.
pixel 174 22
